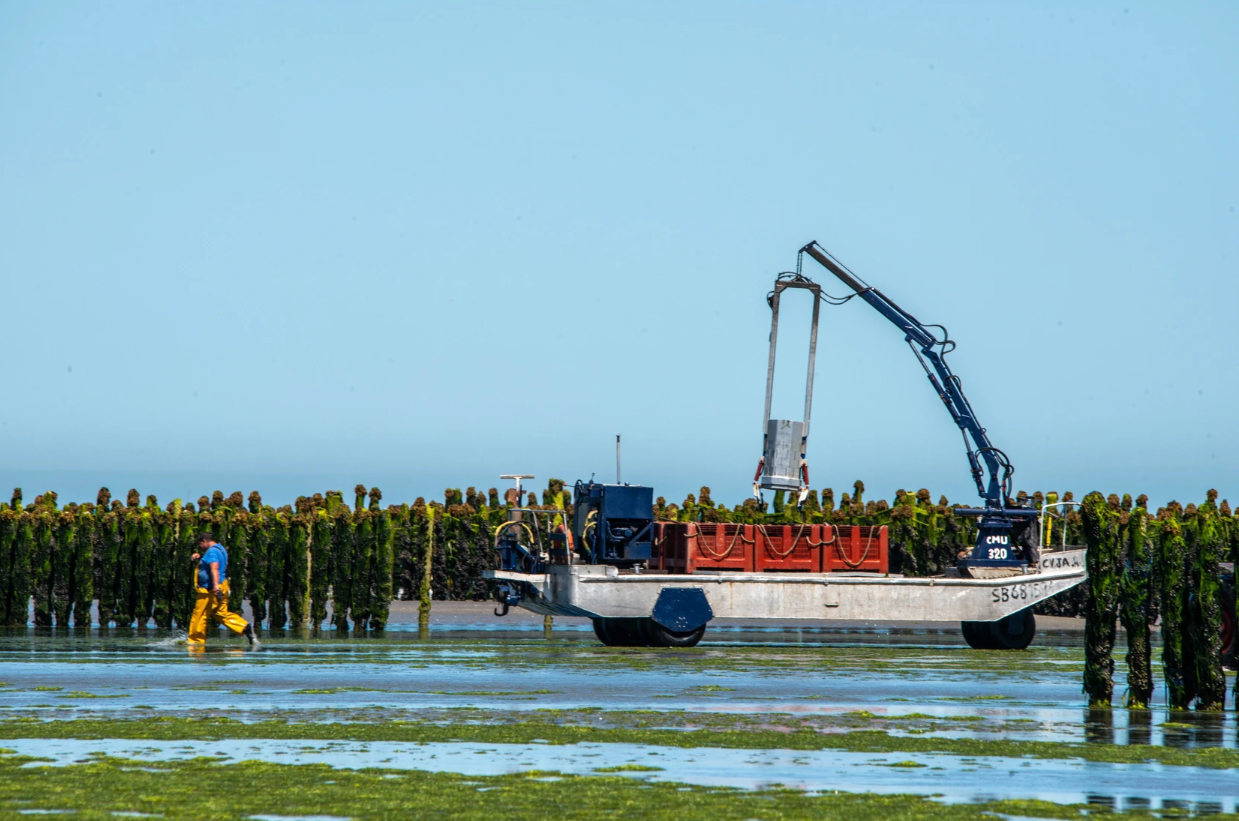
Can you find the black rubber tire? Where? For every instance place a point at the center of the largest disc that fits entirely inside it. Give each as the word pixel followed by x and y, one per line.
pixel 1015 632
pixel 1230 635
pixel 978 634
pixel 600 630
pixel 659 636
pixel 621 632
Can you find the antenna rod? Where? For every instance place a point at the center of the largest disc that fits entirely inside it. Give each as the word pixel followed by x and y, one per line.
pixel 617 459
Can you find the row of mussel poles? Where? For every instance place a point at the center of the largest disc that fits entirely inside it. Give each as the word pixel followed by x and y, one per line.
pixel 1158 568
pixel 296 566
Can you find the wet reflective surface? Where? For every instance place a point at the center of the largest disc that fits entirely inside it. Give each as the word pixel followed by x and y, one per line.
pixel 952 778
pixel 908 682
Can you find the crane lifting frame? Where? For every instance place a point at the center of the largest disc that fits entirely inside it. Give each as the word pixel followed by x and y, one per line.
pixel 784 439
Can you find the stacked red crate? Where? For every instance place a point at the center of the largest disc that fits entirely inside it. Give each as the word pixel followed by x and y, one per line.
pixel 857 548
pixel 791 547
pixel 686 547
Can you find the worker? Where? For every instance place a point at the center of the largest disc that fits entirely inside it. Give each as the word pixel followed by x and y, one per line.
pixel 212 589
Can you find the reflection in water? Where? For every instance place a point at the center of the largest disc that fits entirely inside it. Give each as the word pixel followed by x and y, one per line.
pixel 1099 726
pixel 1140 727
pixel 950 778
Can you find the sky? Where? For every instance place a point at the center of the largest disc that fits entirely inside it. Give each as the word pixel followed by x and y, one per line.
pixel 299 246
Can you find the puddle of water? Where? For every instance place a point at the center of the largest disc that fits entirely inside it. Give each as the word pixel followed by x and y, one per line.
pixel 1020 696
pixel 952 778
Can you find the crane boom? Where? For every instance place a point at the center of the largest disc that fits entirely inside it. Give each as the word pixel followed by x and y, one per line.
pixel 930 352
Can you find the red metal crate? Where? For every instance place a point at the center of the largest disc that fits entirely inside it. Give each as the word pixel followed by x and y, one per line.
pixel 718 546
pixel 856 549
pixel 684 547
pixel 662 551
pixel 790 547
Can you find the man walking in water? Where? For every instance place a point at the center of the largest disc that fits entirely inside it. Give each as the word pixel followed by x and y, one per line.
pixel 212 591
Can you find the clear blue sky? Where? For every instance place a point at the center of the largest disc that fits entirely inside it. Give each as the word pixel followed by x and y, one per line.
pixel 295 246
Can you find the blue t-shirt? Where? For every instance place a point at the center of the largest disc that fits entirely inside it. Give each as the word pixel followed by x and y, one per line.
pixel 215 553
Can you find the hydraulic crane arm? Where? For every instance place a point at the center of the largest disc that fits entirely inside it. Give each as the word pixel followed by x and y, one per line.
pixel 926 346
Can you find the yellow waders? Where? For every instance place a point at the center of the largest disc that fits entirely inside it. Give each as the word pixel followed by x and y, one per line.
pixel 208 607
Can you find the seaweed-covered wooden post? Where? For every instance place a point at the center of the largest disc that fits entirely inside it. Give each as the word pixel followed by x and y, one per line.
pixel 1231 551
pixel 359 498
pixel 259 558
pixel 423 610
pixel 277 568
pixel 381 578
pixel 1172 601
pixel 1135 600
pixel 363 559
pixel 903 536
pixel 342 532
pixel 109 563
pixel 8 535
pixel 1101 535
pixel 23 556
pixel 320 567
pixel 142 563
pixel 84 568
pixel 41 566
pixel 299 569
pixel 1206 609
pixel 62 567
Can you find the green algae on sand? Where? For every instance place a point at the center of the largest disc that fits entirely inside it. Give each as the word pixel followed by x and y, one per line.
pixel 168 728
pixel 107 787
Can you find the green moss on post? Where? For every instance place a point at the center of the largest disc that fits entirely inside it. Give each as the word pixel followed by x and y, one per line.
pixel 363 557
pixel 1101 536
pixel 142 563
pixel 8 535
pixel 41 567
pixel 342 537
pixel 1171 574
pixel 21 570
pixel 83 570
pixel 423 611
pixel 1206 608
pixel 1135 608
pixel 359 498
pixel 110 547
pixel 277 569
pixel 65 549
pixel 299 571
pixel 320 567
pixel 381 580
pixel 162 568
pixel 259 560
pixel 238 554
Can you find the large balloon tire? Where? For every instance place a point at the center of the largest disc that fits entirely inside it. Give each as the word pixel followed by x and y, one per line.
pixel 1015 632
pixel 600 630
pixel 978 634
pixel 617 632
pixel 660 636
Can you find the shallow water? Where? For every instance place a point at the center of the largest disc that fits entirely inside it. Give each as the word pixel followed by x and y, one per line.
pixel 1028 696
pixel 907 682
pixel 952 778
